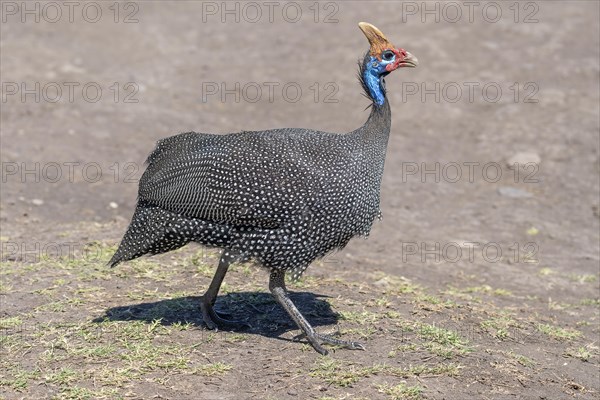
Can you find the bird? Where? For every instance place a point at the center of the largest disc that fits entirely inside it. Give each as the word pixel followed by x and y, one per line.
pixel 281 198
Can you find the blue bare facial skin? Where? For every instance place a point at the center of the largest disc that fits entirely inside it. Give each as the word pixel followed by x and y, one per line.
pixel 373 75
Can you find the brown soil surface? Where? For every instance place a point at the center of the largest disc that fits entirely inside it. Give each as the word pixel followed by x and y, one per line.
pixel 483 286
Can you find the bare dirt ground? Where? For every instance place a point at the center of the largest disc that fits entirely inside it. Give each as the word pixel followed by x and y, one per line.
pixel 479 285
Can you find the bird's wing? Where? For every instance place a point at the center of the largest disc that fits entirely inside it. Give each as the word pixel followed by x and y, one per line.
pixel 230 180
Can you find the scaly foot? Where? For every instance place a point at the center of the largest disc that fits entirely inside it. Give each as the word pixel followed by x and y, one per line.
pixel 213 320
pixel 317 339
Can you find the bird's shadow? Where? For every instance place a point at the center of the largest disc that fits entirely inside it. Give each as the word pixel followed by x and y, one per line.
pixel 256 309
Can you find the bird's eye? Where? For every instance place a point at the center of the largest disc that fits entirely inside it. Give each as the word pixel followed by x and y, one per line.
pixel 387 55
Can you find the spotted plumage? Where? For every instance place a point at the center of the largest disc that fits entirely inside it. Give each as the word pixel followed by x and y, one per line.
pixel 282 197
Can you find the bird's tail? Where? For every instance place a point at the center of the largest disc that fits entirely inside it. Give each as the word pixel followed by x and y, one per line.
pixel 148 232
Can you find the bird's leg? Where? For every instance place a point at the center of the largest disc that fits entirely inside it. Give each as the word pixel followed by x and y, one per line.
pixel 277 288
pixel 209 315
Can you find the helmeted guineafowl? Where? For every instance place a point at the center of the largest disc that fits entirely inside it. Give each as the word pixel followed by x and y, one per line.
pixel 281 197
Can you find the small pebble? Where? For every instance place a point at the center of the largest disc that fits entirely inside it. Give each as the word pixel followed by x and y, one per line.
pixel 514 193
pixel 523 158
pixel 383 282
pixel 112 204
pixel 37 202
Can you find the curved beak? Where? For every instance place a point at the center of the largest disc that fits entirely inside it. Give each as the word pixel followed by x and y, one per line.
pixel 409 61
